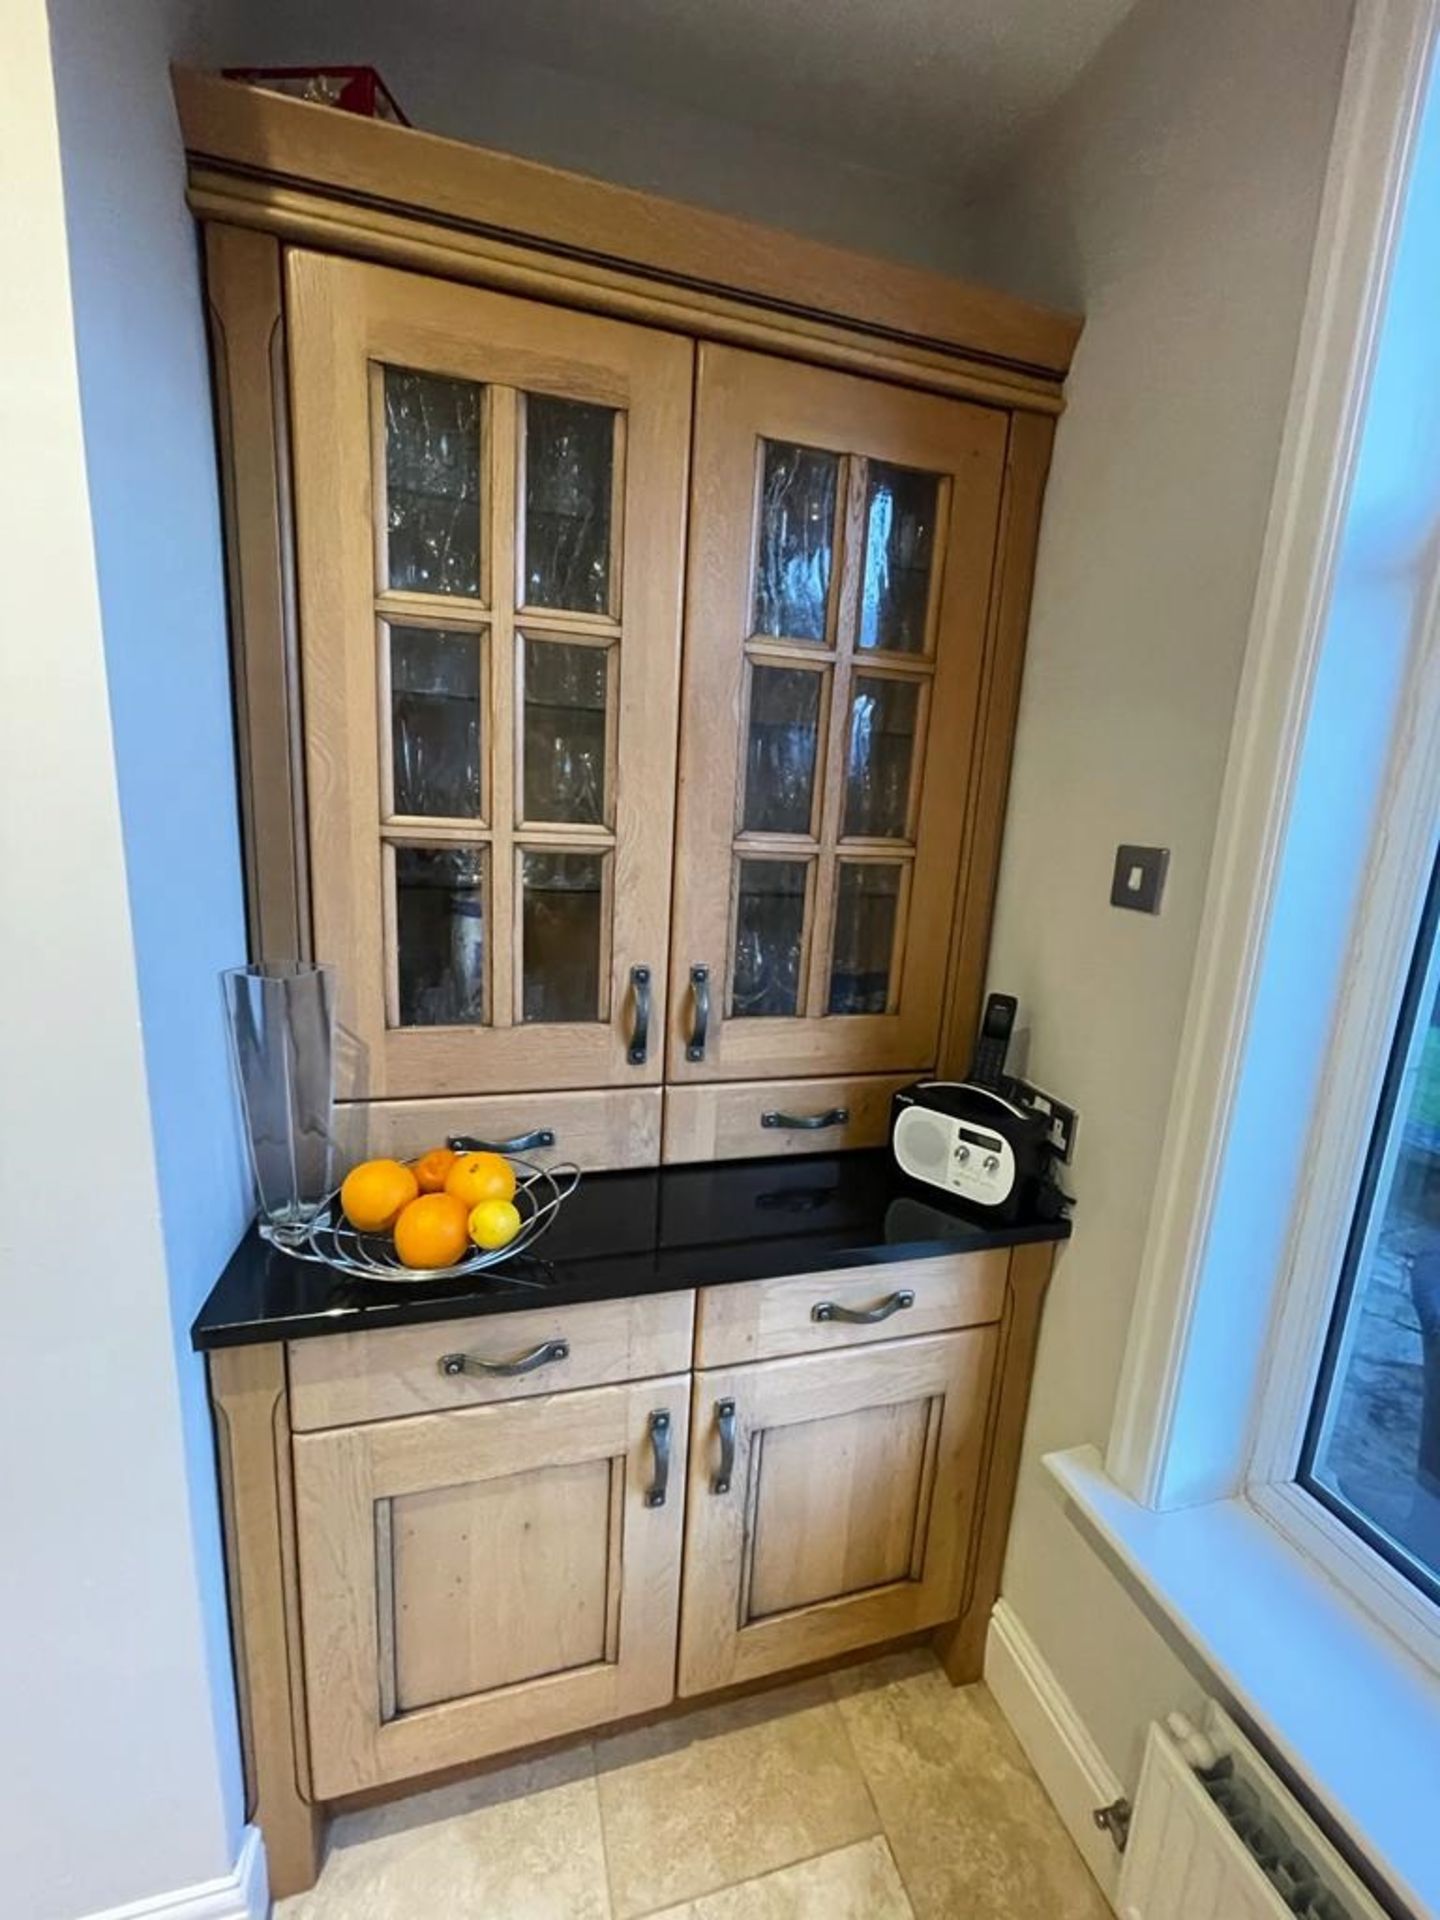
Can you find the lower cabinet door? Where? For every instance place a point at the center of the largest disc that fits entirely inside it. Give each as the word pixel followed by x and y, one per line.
pixel 831 1500
pixel 475 1580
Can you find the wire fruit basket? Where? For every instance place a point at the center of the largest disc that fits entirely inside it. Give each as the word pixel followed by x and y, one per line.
pixel 540 1192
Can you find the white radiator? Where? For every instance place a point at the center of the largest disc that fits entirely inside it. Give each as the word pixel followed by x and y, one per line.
pixel 1185 1860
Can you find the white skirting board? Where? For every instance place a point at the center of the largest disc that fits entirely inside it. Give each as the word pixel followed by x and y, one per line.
pixel 241 1894
pixel 1071 1767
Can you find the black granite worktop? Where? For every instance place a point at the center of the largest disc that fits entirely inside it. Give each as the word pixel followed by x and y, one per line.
pixel 619 1234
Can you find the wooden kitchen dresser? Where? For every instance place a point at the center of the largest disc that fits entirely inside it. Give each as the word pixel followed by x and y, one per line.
pixel 461 1537
pixel 629 606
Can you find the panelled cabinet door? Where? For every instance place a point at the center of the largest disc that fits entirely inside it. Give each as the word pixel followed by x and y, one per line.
pixel 831 1500
pixel 841 548
pixel 485 1578
pixel 490 511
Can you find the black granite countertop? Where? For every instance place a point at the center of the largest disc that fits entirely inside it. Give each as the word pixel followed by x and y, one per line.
pixel 649 1231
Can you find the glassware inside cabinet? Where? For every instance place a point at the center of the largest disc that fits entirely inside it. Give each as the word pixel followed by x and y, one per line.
pixel 569 483
pixel 440 935
pixel 561 935
pixel 770 907
pixel 566 713
pixel 432 483
pixel 782 748
pixel 799 490
pixel 435 728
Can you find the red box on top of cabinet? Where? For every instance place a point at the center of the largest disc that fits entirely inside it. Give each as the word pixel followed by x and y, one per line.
pixel 353 89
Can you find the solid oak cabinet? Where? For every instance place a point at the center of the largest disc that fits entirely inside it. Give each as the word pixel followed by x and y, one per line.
pixel 478 1580
pixel 628 610
pixel 830 1502
pixel 456 1539
pixel 490 513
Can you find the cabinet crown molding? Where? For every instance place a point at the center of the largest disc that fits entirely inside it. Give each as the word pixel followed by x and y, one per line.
pixel 292 167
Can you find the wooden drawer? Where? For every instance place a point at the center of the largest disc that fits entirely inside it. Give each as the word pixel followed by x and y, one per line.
pixel 341 1379
pixel 732 1121
pixel 618 1128
pixel 765 1319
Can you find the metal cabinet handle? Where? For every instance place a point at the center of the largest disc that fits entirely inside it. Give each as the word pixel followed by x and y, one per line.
pixel 807 1122
pixel 521 1143
pixel 700 987
pixel 541 1356
pixel 725 1421
pixel 640 1032
pixel 853 1316
pixel 660 1442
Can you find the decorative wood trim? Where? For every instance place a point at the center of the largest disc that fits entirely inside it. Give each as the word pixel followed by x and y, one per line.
pixel 1385 79
pixel 961 1644
pixel 252 1421
pixel 247 336
pixel 1026 467
pixel 589 224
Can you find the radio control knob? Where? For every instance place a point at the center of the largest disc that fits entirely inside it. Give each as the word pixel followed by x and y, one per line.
pixel 992 1161
pixel 962 1154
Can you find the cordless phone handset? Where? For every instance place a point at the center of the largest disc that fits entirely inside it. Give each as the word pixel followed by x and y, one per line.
pixel 987 1068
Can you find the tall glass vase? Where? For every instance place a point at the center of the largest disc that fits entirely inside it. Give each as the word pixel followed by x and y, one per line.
pixel 281 1022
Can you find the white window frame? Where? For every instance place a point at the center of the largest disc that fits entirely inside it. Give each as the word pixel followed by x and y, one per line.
pixel 1164 1378
pixel 1382 951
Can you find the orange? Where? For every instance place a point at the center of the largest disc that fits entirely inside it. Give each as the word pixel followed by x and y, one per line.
pixel 431 1231
pixel 481 1176
pixel 374 1192
pixel 432 1169
pixel 494 1224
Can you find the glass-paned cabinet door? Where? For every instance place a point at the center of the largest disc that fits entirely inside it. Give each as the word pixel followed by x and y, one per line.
pixel 490 513
pixel 841 545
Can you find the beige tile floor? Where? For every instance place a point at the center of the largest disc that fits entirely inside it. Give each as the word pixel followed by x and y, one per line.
pixel 880 1793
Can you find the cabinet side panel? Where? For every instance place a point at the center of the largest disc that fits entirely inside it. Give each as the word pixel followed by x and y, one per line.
pixel 246 308
pixel 1027 465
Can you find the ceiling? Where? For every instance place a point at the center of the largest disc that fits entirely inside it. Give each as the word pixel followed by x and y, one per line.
pixel 926 89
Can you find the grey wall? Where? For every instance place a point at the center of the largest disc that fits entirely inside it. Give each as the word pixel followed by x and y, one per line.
pixel 1172 197
pixel 629 135
pixel 152 479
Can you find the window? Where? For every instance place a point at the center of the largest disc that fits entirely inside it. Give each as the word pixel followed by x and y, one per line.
pixel 1371 1452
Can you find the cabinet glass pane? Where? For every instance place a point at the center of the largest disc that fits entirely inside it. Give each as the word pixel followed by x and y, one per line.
pixel 780 753
pixel 867 899
pixel 798 489
pixel 878 756
pixel 900 513
pixel 769 937
pixel 440 935
pixel 560 935
pixel 435 721
pixel 569 468
pixel 564 732
pixel 432 482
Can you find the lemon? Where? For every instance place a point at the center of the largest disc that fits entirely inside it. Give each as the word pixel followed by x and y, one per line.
pixel 494 1223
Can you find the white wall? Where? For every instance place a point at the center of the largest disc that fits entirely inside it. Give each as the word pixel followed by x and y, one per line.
pixel 1173 198
pixel 631 136
pixel 116 1785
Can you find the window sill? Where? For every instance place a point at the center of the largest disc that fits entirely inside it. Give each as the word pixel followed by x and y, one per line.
pixel 1353 1715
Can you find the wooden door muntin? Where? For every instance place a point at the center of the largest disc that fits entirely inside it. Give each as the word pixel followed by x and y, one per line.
pixel 347 321
pixel 745 402
pixel 366 1684
pixel 939 1386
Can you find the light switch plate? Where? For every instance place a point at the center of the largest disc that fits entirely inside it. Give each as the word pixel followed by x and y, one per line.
pixel 1139 878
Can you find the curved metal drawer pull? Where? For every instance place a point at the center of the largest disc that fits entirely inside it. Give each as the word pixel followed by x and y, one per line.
pixel 541 1356
pixel 640 1032
pixel 521 1143
pixel 660 1441
pixel 807 1122
pixel 700 987
pixel 725 1421
pixel 853 1316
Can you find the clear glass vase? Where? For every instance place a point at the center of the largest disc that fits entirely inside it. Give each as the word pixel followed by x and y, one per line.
pixel 281 1022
